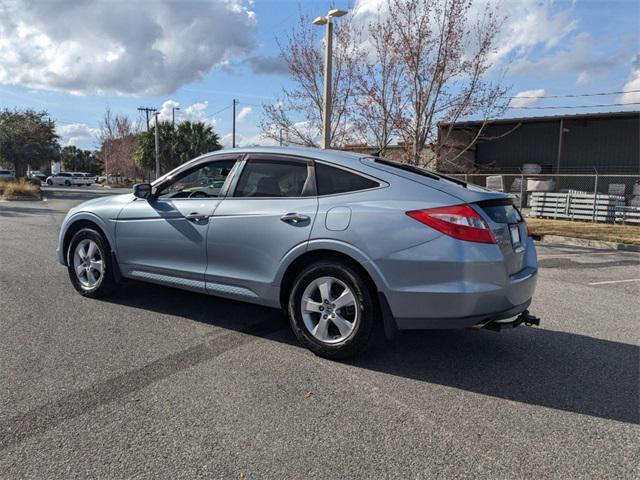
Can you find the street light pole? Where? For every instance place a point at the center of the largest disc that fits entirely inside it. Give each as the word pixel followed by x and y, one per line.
pixel 328 57
pixel 233 134
pixel 173 117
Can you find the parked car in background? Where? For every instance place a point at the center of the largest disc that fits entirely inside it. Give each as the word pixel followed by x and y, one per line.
pixel 111 179
pixel 81 178
pixel 349 245
pixel 6 174
pixel 62 178
pixel 37 174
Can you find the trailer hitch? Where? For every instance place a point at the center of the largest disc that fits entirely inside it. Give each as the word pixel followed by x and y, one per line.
pixel 525 317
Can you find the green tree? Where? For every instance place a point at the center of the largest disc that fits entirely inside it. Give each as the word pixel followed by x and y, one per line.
pixel 187 141
pixel 75 159
pixel 27 137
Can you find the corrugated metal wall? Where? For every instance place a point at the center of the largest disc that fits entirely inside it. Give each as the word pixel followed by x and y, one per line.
pixel 610 145
pixel 529 143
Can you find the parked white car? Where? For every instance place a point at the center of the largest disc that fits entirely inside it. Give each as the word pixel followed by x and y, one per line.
pixel 6 174
pixel 80 178
pixel 63 178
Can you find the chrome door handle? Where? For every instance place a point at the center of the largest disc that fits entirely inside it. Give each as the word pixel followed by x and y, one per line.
pixel 294 218
pixel 196 217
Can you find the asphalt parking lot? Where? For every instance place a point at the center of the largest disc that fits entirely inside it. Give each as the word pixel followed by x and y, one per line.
pixel 161 383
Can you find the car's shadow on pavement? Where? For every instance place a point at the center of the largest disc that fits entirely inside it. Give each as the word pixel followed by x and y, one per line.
pixel 554 369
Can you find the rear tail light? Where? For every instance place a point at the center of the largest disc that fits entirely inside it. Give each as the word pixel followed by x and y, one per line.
pixel 459 221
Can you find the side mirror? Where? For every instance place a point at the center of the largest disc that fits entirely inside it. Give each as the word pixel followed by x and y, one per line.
pixel 142 190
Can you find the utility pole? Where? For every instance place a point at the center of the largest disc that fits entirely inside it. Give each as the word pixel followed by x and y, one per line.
pixel 147 111
pixel 157 132
pixel 281 137
pixel 233 136
pixel 328 54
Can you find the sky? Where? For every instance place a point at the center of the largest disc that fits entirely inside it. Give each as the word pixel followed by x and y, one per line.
pixel 75 58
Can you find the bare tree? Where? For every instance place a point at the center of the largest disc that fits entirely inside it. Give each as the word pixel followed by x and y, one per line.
pixel 412 72
pixel 378 86
pixel 118 137
pixel 299 111
pixel 445 57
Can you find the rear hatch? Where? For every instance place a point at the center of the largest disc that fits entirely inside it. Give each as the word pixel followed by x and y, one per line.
pixel 509 230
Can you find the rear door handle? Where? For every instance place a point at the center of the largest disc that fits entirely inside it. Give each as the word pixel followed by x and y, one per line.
pixel 294 218
pixel 196 217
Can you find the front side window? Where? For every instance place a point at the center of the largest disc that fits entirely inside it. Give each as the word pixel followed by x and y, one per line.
pixel 205 181
pixel 333 180
pixel 275 178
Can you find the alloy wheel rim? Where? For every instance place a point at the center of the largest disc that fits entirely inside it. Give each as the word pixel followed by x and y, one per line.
pixel 330 312
pixel 88 264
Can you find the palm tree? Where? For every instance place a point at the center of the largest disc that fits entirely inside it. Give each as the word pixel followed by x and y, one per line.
pixel 187 141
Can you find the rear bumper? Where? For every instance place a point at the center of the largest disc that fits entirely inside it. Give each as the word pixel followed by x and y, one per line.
pixel 442 285
pixel 462 322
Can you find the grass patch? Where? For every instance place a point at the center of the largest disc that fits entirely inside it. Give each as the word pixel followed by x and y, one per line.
pixel 587 230
pixel 19 189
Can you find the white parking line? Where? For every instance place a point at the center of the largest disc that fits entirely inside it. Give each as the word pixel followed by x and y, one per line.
pixel 575 254
pixel 616 281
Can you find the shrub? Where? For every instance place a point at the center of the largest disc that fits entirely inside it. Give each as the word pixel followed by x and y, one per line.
pixel 19 188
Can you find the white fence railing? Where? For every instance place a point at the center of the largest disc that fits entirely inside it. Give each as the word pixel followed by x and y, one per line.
pixel 610 198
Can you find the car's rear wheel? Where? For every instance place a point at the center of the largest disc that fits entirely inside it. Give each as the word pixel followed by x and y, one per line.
pixel 332 310
pixel 67 183
pixel 90 264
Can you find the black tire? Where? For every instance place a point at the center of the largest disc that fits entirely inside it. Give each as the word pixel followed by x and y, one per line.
pixel 67 183
pixel 49 182
pixel 365 330
pixel 107 282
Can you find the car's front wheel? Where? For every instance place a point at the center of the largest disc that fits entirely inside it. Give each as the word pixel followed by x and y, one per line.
pixel 90 264
pixel 332 310
pixel 49 182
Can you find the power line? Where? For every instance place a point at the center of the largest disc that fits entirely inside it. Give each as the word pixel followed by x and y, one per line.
pixel 598 94
pixel 221 110
pixel 575 106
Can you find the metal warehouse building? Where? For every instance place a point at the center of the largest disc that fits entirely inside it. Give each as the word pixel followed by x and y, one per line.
pixel 606 142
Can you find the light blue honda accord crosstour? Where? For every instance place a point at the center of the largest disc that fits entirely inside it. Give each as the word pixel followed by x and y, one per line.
pixel 351 246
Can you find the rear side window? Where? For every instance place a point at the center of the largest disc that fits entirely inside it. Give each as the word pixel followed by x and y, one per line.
pixel 333 180
pixel 275 178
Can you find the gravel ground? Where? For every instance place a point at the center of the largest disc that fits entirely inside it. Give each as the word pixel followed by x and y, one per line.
pixel 161 383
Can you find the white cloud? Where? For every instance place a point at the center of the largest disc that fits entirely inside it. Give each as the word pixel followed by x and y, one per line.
pixel 529 23
pixel 583 78
pixel 196 112
pixel 633 83
pixel 244 113
pixel 78 134
pixel 524 98
pixel 126 48
pixel 580 56
pixel 256 140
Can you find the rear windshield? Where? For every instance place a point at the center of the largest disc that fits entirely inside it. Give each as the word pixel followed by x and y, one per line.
pixel 501 211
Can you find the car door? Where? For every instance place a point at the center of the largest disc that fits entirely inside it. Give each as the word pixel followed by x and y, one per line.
pixel 269 211
pixel 163 239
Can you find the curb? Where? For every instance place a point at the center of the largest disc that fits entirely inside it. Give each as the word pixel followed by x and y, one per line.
pixel 583 242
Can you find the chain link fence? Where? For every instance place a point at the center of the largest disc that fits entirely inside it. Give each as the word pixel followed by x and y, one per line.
pixel 602 197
